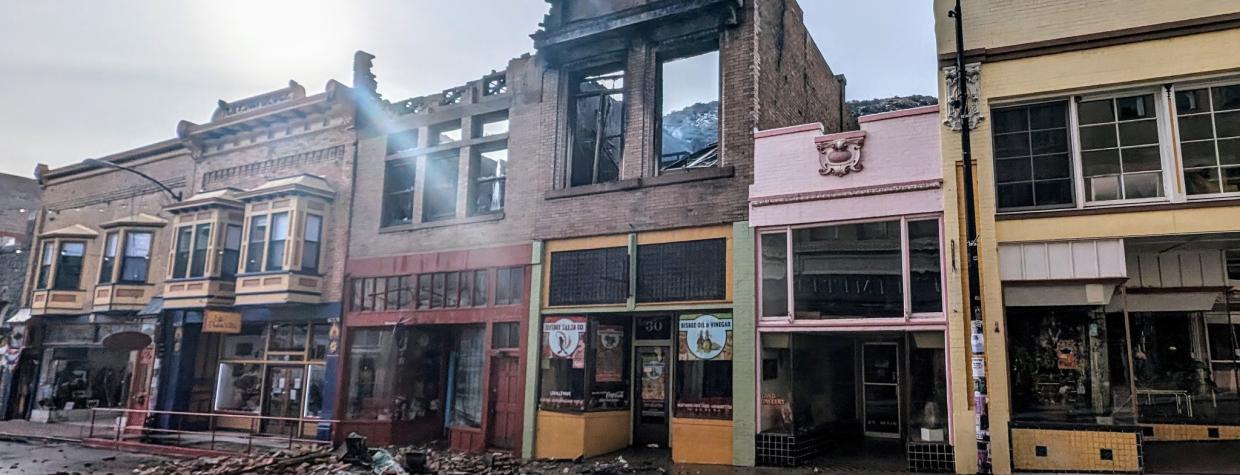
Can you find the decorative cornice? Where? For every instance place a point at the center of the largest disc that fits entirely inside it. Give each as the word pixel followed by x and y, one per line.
pixel 904 187
pixel 972 83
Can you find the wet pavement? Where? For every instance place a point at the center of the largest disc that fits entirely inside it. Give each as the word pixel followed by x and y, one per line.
pixel 42 457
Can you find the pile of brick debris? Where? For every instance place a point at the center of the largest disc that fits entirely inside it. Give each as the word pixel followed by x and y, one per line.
pixel 354 458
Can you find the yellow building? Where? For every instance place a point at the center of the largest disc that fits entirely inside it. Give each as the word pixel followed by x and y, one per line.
pixel 1107 153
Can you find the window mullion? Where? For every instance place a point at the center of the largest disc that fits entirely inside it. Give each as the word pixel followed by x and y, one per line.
pixel 1076 157
pixel 906 268
pixel 788 259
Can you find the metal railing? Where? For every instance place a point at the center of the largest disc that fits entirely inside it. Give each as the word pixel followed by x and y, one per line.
pixel 202 430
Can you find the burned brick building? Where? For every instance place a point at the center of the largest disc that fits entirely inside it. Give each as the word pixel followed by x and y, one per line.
pixel 643 330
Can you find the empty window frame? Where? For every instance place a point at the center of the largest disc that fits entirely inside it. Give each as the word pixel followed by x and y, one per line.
pixel 489 170
pixel 445 133
pixel 398 187
pixel 1120 155
pixel 492 124
pixel 1033 168
pixel 461 289
pixel 596 127
pixel 1209 132
pixel 402 141
pixel 689 111
pixel 439 197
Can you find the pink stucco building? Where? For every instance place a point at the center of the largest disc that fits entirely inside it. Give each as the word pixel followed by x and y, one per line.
pixel 851 304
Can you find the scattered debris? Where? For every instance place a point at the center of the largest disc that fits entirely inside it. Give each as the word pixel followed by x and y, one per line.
pixel 354 457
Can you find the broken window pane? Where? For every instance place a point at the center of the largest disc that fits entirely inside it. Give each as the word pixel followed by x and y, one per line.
pixel 439 202
pixel 597 129
pixel 689 97
pixel 398 192
pixel 490 169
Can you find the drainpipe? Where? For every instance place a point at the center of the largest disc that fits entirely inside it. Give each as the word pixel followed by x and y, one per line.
pixel 973 296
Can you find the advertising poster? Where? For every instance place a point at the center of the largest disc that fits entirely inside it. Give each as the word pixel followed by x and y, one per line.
pixel 609 354
pixel 563 339
pixel 705 337
pixel 654 380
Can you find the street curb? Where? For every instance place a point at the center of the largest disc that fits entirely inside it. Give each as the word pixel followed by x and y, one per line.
pixel 10 437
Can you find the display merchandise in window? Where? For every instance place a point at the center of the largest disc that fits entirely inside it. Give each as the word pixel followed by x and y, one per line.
pixel 704 367
pixel 239 387
pixel 562 365
pixel 82 378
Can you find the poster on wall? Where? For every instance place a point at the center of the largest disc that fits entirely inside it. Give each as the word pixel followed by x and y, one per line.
pixel 654 380
pixel 564 339
pixel 609 354
pixel 705 336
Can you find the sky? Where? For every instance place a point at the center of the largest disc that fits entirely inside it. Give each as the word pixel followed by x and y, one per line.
pixel 88 78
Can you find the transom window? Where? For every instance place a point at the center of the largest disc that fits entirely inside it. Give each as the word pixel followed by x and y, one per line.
pixel 880 269
pixel 1209 131
pixel 452 289
pixel 134 251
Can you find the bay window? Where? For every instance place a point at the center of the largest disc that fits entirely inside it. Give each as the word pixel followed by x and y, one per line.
pixel 69 266
pixel 232 251
pixel 136 258
pixel 108 263
pixel 311 238
pixel 876 269
pixel 275 243
pixel 198 260
pixel 180 262
pixel 45 265
pixel 258 240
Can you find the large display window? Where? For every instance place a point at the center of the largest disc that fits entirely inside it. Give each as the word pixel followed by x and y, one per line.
pixel 704 367
pixel 873 269
pixel 249 358
pixel 585 362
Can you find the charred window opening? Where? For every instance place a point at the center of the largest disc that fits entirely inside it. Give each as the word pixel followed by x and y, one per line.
pixel 439 201
pixel 689 110
pixel 490 171
pixel 492 124
pixel 596 127
pixel 398 186
pixel 445 133
pixel 402 141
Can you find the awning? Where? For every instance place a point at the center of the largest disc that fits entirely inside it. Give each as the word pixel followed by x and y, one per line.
pixel 22 315
pixel 1190 301
pixel 1017 294
pixel 154 307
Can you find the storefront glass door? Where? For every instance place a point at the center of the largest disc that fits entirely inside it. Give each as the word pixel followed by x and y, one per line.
pixel 880 373
pixel 284 394
pixel 651 418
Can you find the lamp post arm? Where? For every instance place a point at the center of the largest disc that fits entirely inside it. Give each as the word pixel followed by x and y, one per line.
pixel 95 162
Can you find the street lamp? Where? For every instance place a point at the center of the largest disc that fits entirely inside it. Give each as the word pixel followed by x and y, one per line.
pixel 96 163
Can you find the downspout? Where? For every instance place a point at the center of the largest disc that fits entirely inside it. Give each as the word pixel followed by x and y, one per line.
pixel 973 296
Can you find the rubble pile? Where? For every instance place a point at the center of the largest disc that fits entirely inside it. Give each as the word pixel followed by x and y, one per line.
pixel 301 462
pixel 354 457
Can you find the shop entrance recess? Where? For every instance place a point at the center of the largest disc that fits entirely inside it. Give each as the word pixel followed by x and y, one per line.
pixel 880 380
pixel 284 391
pixel 652 363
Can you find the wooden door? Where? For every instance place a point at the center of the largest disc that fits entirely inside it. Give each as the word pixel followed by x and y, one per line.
pixel 506 401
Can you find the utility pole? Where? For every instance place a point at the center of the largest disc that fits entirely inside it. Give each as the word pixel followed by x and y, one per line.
pixel 981 402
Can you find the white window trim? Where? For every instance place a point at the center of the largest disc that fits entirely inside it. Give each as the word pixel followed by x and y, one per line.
pixel 907 314
pixel 1166 159
pixel 1201 84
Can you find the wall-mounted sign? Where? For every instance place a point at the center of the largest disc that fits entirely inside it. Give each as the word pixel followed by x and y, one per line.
pixel 564 339
pixel 221 321
pixel 706 337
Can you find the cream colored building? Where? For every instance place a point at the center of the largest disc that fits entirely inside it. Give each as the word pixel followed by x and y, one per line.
pixel 1107 154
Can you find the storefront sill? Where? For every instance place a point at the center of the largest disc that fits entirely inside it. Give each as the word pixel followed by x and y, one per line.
pixel 851 324
pixel 722 305
pixel 690 421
